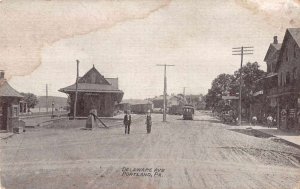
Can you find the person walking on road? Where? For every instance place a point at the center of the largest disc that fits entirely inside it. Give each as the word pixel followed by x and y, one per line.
pixel 254 120
pixel 148 121
pixel 127 122
pixel 270 121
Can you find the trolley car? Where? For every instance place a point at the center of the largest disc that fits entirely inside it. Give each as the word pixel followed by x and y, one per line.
pixel 188 112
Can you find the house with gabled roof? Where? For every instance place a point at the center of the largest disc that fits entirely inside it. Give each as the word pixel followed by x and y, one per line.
pixel 264 104
pixel 287 91
pixel 94 92
pixel 272 55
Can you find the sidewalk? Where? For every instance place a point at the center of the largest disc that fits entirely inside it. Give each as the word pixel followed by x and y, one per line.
pixel 290 136
pixel 5 135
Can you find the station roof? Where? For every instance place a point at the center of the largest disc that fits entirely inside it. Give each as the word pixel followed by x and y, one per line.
pixel 7 91
pixel 94 82
pixel 90 87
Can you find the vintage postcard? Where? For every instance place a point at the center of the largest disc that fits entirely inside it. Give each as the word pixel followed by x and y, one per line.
pixel 154 94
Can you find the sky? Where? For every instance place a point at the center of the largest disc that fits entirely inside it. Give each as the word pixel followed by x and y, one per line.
pixel 40 41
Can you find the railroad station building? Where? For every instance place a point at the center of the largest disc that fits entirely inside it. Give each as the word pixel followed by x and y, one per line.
pixel 94 92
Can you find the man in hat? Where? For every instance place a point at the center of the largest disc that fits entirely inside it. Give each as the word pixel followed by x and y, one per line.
pixel 270 121
pixel 254 120
pixel 148 121
pixel 127 122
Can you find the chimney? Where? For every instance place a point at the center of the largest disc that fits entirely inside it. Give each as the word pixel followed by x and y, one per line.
pixel 2 74
pixel 275 40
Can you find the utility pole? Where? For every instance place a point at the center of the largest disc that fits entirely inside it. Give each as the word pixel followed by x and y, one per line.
pixel 184 95
pixel 52 115
pixel 165 89
pixel 76 92
pixel 47 98
pixel 241 51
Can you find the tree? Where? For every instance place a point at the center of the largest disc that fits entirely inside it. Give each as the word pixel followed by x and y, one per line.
pixel 224 83
pixel 30 99
pixel 250 73
pixel 201 104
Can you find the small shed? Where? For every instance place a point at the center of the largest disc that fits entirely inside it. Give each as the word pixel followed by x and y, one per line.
pixel 9 105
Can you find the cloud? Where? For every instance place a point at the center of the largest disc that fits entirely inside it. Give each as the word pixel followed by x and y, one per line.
pixel 282 13
pixel 28 26
pixel 196 36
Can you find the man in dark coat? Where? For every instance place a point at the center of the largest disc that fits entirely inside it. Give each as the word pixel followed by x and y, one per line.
pixel 148 121
pixel 127 122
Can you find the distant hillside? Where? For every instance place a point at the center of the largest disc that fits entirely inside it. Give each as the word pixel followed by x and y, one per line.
pixel 58 101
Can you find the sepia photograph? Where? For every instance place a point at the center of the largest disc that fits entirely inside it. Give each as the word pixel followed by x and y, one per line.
pixel 150 94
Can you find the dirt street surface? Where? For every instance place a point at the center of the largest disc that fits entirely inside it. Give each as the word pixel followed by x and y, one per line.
pixel 178 154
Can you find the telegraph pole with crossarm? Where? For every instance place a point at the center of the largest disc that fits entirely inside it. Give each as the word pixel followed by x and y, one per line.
pixel 241 51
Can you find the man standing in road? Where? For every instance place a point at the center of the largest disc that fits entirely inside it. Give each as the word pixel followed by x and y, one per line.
pixel 127 122
pixel 148 121
pixel 270 121
pixel 254 120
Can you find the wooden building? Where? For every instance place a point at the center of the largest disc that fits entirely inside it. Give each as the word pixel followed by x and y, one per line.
pixel 285 95
pixel 263 103
pixel 175 104
pixel 158 102
pixel 136 106
pixel 94 92
pixel 9 106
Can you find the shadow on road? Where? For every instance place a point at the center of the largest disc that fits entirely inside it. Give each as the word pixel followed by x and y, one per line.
pixel 202 120
pixel 252 132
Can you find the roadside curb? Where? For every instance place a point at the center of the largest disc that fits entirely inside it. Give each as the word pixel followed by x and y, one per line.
pixel 278 138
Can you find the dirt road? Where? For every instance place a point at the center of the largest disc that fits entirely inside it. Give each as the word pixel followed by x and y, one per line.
pixel 178 154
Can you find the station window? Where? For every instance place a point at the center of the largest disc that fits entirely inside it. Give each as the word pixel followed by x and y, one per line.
pixel 15 111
